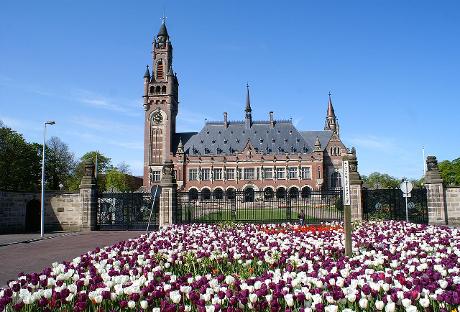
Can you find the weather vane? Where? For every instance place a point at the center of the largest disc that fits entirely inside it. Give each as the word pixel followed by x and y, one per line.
pixel 163 18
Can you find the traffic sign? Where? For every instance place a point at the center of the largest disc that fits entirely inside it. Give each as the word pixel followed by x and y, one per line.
pixel 406 186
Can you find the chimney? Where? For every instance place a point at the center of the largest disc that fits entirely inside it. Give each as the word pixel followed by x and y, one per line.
pixel 225 120
pixel 272 122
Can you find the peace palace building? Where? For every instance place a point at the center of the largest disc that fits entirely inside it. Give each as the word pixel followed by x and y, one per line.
pixel 226 155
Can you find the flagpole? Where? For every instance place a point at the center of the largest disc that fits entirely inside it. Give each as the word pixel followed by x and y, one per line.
pixel 424 162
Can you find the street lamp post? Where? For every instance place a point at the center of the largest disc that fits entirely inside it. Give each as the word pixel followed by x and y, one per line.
pixel 42 210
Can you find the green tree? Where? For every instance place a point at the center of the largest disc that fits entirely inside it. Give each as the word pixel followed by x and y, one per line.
pixel 103 164
pixel 20 162
pixel 59 164
pixel 377 180
pixel 450 171
pixel 116 180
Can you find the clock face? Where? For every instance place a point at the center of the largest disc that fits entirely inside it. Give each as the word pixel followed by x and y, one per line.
pixel 157 117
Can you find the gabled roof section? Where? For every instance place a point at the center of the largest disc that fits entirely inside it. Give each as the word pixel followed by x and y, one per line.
pixel 323 136
pixel 216 139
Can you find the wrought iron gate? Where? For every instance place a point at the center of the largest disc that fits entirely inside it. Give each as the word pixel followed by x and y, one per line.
pixel 389 204
pixel 125 211
pixel 258 207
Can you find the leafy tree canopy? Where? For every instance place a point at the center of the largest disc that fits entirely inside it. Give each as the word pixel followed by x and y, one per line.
pixel 377 180
pixel 450 171
pixel 59 165
pixel 20 162
pixel 103 164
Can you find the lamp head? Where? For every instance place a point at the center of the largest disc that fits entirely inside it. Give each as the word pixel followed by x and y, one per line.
pixel 50 122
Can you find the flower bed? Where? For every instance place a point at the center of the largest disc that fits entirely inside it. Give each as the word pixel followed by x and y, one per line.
pixel 396 267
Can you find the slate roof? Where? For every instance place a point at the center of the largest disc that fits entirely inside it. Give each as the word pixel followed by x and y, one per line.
pixel 216 139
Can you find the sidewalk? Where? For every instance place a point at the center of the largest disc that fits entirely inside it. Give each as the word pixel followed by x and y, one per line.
pixel 35 255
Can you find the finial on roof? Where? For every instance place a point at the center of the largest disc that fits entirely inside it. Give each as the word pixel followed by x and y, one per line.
pixel 180 146
pixel 317 144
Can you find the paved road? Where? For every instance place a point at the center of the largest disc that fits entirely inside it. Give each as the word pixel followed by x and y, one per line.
pixel 37 255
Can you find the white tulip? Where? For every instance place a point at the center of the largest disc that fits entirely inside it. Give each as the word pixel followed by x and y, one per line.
pixel 390 307
pixel 131 304
pixel 379 305
pixel 331 308
pixel 424 302
pixel 289 300
pixel 351 298
pixel 144 304
pixel 443 284
pixel 176 296
pixel 363 303
pixel 406 302
pixel 210 308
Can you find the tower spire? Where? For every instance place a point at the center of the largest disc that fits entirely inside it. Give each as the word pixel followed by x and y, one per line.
pixel 331 120
pixel 248 109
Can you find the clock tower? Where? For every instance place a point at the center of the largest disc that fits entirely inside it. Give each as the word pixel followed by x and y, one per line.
pixel 160 105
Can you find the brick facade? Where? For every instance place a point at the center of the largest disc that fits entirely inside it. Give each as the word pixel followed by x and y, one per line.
pixel 233 154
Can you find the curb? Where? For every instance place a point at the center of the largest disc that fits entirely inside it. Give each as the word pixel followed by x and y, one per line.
pixel 37 239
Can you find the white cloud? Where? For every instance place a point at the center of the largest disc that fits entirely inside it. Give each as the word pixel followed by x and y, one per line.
pixel 373 143
pixel 106 125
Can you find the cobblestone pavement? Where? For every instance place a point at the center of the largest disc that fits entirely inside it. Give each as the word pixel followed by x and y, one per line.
pixel 35 255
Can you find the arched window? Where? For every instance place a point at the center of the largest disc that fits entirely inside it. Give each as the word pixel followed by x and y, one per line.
pixel 152 89
pixel 205 194
pixel 160 73
pixel 306 192
pixel 281 192
pixel 268 193
pixel 163 90
pixel 248 194
pixel 157 89
pixel 230 193
pixel 193 194
pixel 336 180
pixel 218 193
pixel 293 192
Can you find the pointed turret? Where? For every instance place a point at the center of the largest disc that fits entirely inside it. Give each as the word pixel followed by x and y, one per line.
pixel 331 120
pixel 147 73
pixel 163 31
pixel 248 109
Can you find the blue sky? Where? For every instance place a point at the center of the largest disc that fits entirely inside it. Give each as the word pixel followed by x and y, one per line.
pixel 392 67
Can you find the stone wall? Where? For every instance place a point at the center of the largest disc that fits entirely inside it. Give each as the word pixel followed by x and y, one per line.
pixel 62 211
pixel 452 196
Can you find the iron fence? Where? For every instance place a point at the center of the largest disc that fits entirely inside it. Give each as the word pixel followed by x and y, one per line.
pixel 125 211
pixel 258 207
pixel 389 204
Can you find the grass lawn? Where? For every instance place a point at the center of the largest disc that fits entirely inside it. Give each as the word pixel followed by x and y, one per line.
pixel 256 215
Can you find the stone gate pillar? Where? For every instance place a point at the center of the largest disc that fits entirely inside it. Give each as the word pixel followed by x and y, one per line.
pixel 88 197
pixel 435 193
pixel 356 187
pixel 168 197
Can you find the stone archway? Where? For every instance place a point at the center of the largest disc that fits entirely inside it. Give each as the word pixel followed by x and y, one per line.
pixel 33 216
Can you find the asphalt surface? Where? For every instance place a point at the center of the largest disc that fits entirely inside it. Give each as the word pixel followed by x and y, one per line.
pixel 31 254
